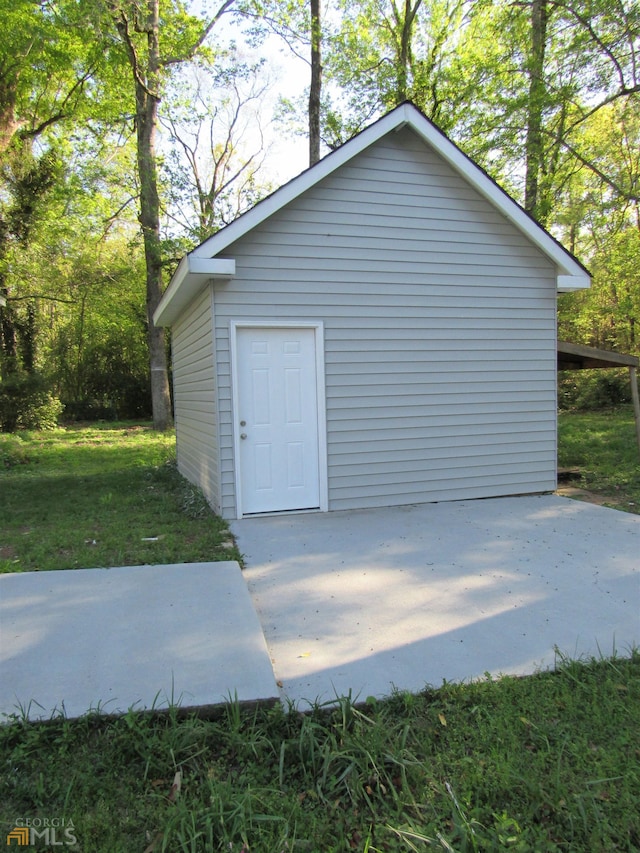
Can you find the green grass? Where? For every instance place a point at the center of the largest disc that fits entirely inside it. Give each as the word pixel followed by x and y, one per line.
pixel 602 445
pixel 545 763
pixel 101 496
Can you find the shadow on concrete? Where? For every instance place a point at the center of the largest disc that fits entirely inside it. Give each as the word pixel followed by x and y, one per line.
pixel 399 598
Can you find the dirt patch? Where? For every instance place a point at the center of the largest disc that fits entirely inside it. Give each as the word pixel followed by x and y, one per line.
pixel 592 497
pixel 7 552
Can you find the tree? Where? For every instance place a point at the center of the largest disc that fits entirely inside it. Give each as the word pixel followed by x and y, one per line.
pixel 315 87
pixel 155 40
pixel 549 68
pixel 216 146
pixel 534 143
pixel 382 53
pixel 46 62
pixel 96 354
pixel 602 222
pixel 299 24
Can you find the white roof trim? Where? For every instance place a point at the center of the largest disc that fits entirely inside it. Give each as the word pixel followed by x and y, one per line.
pixel 290 191
pixel 188 280
pixel 567 283
pixel 571 274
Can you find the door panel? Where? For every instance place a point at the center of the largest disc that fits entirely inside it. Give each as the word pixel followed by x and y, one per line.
pixel 277 419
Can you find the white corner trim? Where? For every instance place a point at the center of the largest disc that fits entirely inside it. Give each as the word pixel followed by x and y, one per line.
pixel 212 267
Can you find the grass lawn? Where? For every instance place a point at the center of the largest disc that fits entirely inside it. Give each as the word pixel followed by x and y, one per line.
pixel 603 447
pixel 83 497
pixel 545 763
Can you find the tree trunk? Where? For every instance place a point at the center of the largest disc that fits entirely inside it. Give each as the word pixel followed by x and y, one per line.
pixel 150 222
pixel 8 340
pixel 404 21
pixel 534 144
pixel 147 89
pixel 147 99
pixel 315 90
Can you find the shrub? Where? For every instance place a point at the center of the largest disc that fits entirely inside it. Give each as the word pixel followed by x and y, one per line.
pixel 12 451
pixel 115 385
pixel 27 403
pixel 586 390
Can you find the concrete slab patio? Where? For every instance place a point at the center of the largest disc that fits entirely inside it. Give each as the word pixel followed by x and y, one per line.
pixel 368 601
pixel 140 636
pixel 349 602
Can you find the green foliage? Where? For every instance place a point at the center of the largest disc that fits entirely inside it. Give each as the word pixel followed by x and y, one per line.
pixel 26 402
pixel 608 315
pixel 115 385
pixel 91 340
pixel 51 59
pixel 383 54
pixel 589 390
pixel 70 255
pixel 544 763
pixel 12 451
pixel 602 445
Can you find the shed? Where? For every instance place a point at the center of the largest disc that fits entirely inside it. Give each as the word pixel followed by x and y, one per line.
pixel 379 331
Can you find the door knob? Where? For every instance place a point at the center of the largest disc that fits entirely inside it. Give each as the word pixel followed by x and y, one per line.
pixel 243 435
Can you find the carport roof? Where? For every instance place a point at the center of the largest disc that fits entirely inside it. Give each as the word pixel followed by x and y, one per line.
pixel 580 357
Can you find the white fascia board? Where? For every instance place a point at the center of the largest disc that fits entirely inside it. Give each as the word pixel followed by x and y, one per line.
pixel 568 268
pixel 572 273
pixel 568 283
pixel 188 280
pixel 212 267
pixel 290 191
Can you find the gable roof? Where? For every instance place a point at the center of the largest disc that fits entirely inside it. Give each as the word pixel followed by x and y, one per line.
pixel 202 264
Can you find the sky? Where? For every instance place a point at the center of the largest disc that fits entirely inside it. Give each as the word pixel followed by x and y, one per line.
pixel 288 154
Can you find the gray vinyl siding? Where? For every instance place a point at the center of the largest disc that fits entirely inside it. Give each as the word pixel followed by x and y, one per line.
pixel 439 323
pixel 195 404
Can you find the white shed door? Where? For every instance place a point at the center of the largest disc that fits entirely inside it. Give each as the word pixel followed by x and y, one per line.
pixel 277 419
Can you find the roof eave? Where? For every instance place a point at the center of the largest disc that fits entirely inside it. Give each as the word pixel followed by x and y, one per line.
pixel 569 283
pixel 571 274
pixel 189 279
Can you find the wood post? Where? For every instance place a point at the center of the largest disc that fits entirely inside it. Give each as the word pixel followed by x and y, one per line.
pixel 636 400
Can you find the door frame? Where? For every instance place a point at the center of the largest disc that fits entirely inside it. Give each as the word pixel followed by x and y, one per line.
pixel 318 327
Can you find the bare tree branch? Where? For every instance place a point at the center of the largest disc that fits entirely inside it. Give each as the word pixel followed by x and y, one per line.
pixel 622 93
pixel 586 23
pixel 628 195
pixel 195 47
pixel 44 296
pixel 285 32
pixel 61 114
pixel 122 25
